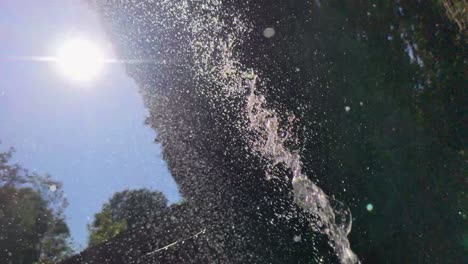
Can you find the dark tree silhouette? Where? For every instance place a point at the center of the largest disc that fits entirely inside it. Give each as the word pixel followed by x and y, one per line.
pixel 125 210
pixel 32 226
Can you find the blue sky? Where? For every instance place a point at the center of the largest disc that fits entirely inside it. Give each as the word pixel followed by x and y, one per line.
pixel 89 136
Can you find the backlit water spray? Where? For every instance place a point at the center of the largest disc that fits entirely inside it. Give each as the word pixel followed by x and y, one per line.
pixel 211 34
pixel 307 195
pixel 213 46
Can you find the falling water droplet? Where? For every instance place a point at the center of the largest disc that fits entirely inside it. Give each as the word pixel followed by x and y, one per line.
pixel 52 188
pixel 269 32
pixel 297 238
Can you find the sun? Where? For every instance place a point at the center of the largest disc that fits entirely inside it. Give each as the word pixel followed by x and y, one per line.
pixel 80 59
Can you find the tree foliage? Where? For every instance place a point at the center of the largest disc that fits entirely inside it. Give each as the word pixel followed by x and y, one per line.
pixel 32 225
pixel 125 210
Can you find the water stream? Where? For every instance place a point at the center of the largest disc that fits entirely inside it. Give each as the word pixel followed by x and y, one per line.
pixel 307 195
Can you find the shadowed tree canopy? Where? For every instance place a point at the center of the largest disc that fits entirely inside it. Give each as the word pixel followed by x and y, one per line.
pixel 126 210
pixel 32 226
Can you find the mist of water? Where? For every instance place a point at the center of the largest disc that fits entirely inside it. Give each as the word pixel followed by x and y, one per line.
pixel 212 43
pixel 218 62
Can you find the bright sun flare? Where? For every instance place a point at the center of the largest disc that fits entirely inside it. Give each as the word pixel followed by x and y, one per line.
pixel 80 60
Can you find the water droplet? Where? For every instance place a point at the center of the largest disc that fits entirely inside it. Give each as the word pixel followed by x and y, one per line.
pixel 52 187
pixel 297 238
pixel 369 207
pixel 269 32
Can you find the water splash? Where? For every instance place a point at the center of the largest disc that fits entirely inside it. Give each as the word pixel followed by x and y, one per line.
pixel 266 124
pixel 213 43
pixel 217 62
pixel 210 34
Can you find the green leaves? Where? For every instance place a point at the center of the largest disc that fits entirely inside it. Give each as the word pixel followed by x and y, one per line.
pixel 125 210
pixel 104 227
pixel 31 216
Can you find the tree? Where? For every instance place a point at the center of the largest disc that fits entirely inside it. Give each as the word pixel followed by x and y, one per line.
pixel 32 225
pixel 104 227
pixel 125 210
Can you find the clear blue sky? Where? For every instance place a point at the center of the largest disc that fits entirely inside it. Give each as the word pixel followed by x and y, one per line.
pixel 90 137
